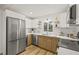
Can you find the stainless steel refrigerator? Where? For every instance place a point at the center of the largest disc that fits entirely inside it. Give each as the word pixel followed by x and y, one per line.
pixel 15 36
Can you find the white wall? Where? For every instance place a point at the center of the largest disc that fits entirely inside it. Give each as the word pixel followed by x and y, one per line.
pixel 3 23
pixel 0 34
pixel 28 25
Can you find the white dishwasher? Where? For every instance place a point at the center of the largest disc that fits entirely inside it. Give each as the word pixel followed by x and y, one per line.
pixel 64 51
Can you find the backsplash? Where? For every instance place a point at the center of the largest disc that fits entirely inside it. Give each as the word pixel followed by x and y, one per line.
pixel 71 30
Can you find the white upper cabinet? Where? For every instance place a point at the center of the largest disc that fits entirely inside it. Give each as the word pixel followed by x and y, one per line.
pixel 35 23
pixel 32 23
pixel 63 20
pixel 28 23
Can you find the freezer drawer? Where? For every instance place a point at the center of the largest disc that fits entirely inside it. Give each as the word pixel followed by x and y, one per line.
pixel 12 48
pixel 21 45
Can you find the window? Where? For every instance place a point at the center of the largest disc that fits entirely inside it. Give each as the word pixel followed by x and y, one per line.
pixel 48 27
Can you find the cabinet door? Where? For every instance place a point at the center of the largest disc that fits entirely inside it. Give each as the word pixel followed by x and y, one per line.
pixel 40 41
pixel 44 42
pixel 28 23
pixel 29 40
pixel 48 44
pixel 54 44
pixel 35 23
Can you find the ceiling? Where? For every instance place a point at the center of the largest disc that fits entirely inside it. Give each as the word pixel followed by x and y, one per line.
pixel 36 10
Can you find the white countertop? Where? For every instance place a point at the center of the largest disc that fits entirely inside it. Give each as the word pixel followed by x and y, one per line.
pixel 60 37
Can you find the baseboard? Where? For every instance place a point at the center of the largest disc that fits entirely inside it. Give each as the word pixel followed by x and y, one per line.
pixel 20 52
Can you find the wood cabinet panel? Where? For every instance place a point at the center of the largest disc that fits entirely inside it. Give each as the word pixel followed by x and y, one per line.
pixel 29 41
pixel 41 41
pixel 54 44
pixel 44 42
pixel 49 43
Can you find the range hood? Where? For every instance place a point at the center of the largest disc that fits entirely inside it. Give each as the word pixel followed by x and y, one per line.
pixel 72 14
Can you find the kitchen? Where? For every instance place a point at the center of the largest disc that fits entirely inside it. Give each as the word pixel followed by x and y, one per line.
pixel 39 29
